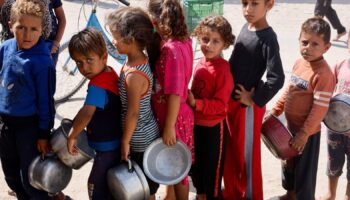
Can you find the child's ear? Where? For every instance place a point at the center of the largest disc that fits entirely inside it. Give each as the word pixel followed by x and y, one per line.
pixel 327 47
pixel 270 4
pixel 10 26
pixel 105 56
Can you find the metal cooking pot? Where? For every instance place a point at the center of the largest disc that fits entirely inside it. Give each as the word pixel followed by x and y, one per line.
pixel 49 174
pixel 337 118
pixel 59 146
pixel 127 181
pixel 276 138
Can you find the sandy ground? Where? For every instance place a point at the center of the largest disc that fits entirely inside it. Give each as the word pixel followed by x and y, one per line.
pixel 286 18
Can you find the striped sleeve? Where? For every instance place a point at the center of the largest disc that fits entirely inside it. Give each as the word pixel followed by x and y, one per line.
pixel 323 86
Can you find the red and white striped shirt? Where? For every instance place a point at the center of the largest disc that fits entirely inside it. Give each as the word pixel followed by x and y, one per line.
pixel 306 99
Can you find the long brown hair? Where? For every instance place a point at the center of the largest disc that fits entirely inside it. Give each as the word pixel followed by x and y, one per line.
pixel 170 18
pixel 135 24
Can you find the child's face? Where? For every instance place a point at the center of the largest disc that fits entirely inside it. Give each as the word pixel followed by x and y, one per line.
pixel 312 46
pixel 120 43
pixel 254 11
pixel 27 30
pixel 211 43
pixel 90 65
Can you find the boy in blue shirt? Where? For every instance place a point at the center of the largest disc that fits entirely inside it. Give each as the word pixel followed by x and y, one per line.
pixel 27 84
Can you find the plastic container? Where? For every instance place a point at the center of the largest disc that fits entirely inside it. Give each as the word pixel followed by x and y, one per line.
pixel 195 10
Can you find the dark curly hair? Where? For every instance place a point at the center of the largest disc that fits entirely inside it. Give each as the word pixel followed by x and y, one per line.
pixel 216 23
pixel 170 18
pixel 318 26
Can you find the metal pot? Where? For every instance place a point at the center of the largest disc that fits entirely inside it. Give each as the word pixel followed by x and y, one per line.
pixel 167 165
pixel 276 138
pixel 59 146
pixel 49 174
pixel 127 181
pixel 337 118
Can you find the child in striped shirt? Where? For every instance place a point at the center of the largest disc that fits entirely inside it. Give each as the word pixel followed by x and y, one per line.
pixel 305 103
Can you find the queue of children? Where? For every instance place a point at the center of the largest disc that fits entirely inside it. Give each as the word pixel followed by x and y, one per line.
pixel 219 118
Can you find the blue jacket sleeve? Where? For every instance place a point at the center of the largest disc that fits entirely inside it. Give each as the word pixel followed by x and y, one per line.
pixel 45 81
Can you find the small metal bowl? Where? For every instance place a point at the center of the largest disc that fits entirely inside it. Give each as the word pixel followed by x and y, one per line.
pixel 167 165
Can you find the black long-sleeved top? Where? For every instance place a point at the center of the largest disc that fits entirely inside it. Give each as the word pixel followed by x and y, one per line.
pixel 254 53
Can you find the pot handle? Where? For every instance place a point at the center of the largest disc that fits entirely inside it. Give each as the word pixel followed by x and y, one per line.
pixel 48 155
pixel 130 167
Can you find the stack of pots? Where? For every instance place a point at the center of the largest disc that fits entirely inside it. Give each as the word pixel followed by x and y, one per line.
pixel 53 172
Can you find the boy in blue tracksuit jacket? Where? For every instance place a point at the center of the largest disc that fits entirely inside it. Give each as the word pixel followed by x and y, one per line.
pixel 27 86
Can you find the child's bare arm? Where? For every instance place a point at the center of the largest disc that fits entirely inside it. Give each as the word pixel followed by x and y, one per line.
pixel 173 107
pixel 169 134
pixel 137 85
pixel 81 120
pixel 190 99
pixel 61 20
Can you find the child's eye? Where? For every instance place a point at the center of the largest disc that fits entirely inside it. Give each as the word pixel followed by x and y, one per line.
pixel 205 39
pixel 314 44
pixel 90 60
pixel 216 41
pixel 78 63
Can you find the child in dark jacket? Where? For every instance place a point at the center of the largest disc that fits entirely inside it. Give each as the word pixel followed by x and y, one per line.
pixel 27 87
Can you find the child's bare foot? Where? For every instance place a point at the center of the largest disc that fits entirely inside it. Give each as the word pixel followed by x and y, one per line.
pixel 201 197
pixel 326 197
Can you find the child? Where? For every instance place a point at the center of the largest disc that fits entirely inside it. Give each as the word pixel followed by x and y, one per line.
pixel 173 73
pixel 101 110
pixel 132 31
pixel 211 87
pixel 338 144
pixel 305 103
pixel 26 105
pixel 256 51
pixel 53 27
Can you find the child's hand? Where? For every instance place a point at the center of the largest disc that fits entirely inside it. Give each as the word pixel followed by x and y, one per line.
pixel 44 146
pixel 55 47
pixel 298 142
pixel 190 99
pixel 71 145
pixel 244 96
pixel 125 151
pixel 169 136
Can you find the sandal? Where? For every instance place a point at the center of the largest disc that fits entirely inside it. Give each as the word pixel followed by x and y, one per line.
pixel 11 193
pixel 339 35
